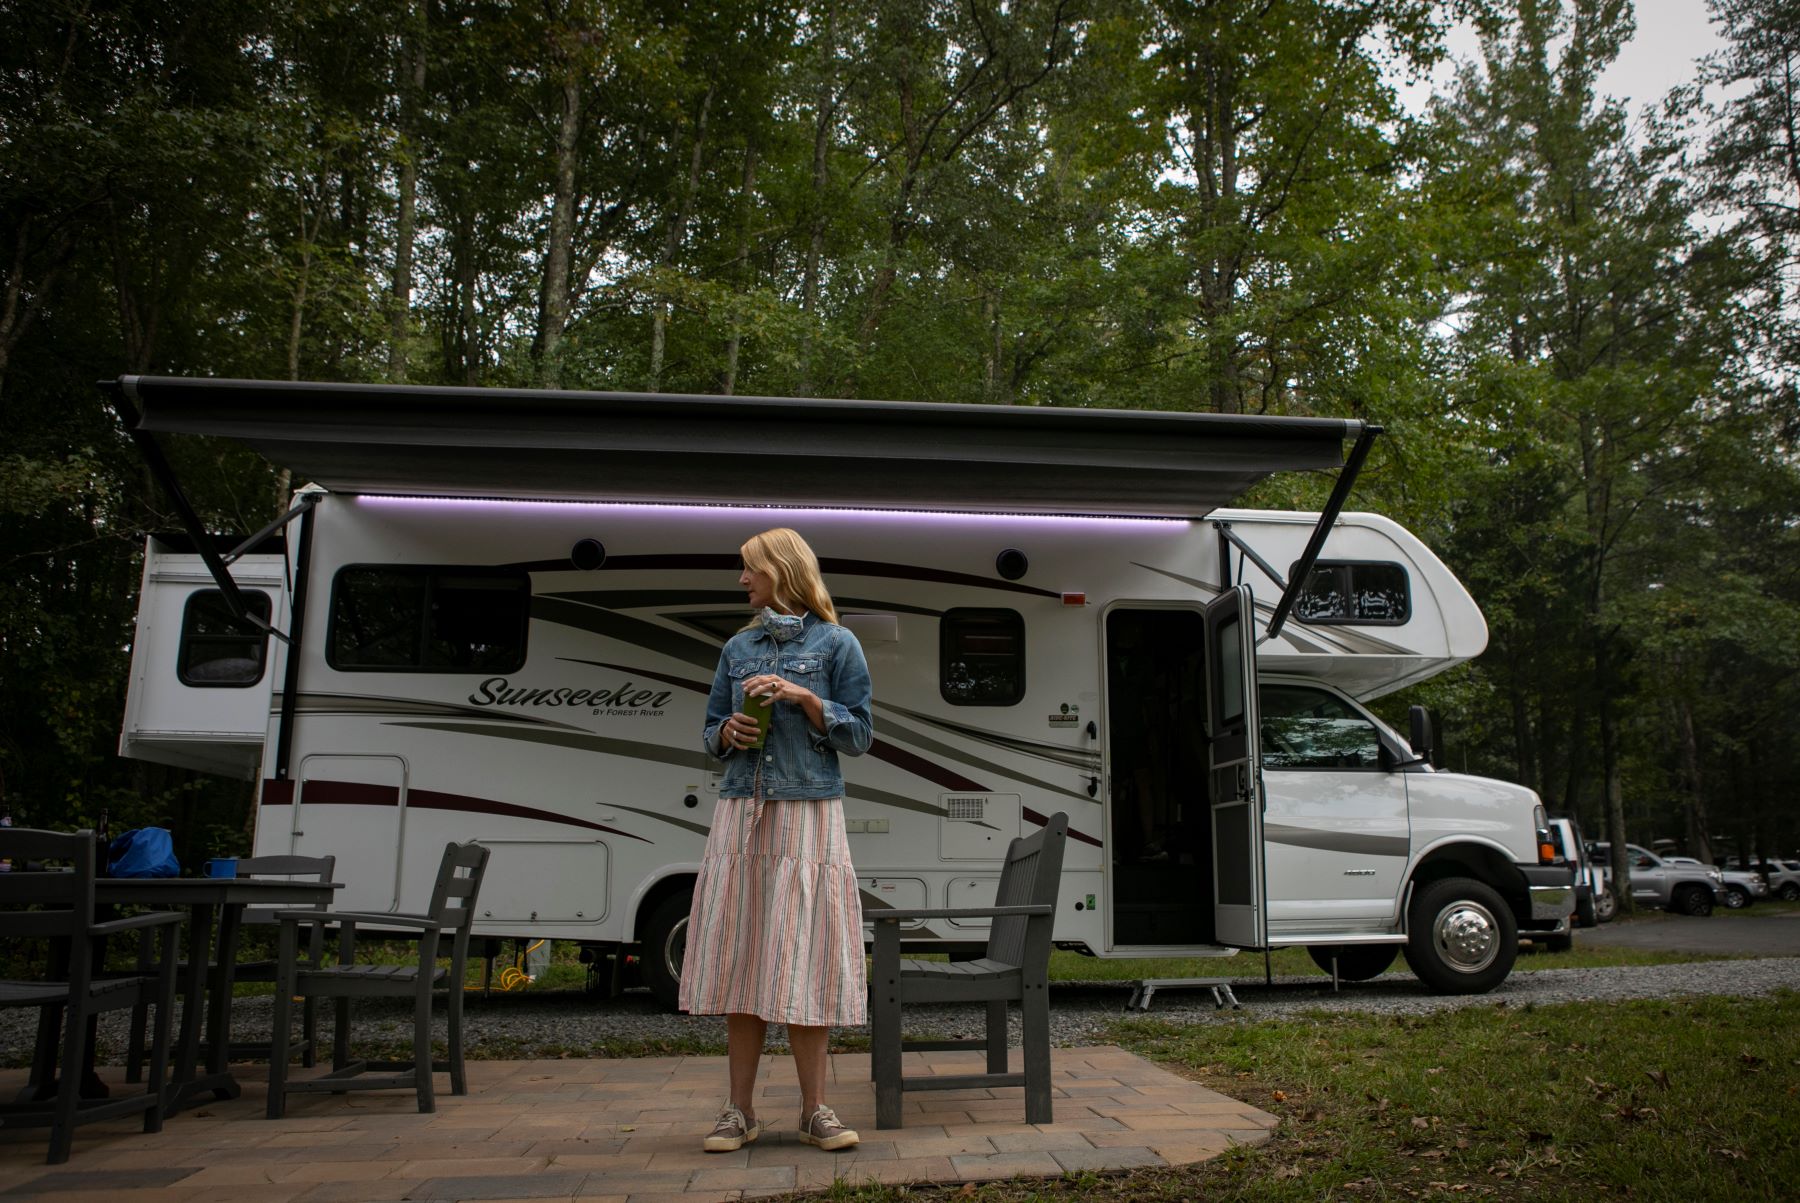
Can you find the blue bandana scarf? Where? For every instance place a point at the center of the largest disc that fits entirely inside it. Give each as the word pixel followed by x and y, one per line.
pixel 782 627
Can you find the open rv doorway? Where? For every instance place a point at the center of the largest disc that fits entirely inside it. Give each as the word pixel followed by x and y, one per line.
pixel 1159 835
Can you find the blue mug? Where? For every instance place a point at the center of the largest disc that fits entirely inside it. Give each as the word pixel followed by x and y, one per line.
pixel 225 866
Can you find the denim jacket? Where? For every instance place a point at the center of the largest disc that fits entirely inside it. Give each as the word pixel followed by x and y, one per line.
pixel 798 760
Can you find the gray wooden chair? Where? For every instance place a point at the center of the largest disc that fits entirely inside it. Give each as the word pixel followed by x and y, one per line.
pixel 451 912
pixel 57 904
pixel 1015 969
pixel 317 868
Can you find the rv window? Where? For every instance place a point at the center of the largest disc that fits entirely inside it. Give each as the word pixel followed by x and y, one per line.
pixel 215 651
pixel 1359 592
pixel 981 657
pixel 407 618
pixel 1305 728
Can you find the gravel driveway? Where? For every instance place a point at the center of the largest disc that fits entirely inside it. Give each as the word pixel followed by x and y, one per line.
pixel 528 1025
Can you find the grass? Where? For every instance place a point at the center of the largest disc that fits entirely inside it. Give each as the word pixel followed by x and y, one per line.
pixel 1688 1099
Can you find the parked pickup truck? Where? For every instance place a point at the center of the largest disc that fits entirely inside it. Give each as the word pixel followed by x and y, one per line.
pixel 1783 877
pixel 1741 887
pixel 1685 889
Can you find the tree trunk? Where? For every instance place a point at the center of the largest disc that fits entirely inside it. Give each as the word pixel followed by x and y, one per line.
pixel 412 88
pixel 1698 823
pixel 659 319
pixel 824 115
pixel 728 384
pixel 553 303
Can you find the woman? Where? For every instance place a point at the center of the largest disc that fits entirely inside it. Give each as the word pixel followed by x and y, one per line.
pixel 776 929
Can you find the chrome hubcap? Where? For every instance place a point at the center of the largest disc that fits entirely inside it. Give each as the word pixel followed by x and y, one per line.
pixel 674 949
pixel 1467 936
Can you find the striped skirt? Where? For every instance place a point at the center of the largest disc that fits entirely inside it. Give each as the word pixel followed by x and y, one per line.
pixel 776 926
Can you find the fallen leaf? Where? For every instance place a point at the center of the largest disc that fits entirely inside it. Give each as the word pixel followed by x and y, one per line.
pixel 1435 1069
pixel 968 1188
pixel 1419 1121
pixel 1659 1076
pixel 1280 1096
pixel 628 1128
pixel 1288 1171
pixel 1462 1142
pixel 1733 1154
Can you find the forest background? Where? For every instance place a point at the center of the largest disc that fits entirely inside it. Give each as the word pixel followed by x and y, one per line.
pixel 1577 323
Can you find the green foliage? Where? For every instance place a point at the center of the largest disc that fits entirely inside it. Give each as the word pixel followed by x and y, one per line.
pixel 1576 330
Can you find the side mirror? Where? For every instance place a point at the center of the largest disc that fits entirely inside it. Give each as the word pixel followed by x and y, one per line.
pixel 1419 719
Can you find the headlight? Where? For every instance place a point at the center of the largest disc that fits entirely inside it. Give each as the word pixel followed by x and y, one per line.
pixel 1717 878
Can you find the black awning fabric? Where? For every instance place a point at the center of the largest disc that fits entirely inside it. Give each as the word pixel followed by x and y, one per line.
pixel 520 443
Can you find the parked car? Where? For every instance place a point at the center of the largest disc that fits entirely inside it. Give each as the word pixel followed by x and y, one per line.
pixel 1741 886
pixel 1783 876
pixel 1594 903
pixel 1685 889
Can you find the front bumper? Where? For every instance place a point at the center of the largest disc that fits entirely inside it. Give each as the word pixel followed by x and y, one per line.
pixel 1551 889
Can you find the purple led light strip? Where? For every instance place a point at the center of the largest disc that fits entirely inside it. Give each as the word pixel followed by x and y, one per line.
pixel 405 501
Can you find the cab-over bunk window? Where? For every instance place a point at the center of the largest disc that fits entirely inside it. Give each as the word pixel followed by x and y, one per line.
pixel 416 618
pixel 1359 592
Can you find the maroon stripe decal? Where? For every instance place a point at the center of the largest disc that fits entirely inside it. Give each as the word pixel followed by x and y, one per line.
pixel 920 767
pixel 351 793
pixel 1043 820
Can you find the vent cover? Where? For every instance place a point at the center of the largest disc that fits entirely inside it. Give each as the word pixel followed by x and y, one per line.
pixel 965 810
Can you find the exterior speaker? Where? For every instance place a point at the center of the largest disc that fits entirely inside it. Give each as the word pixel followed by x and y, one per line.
pixel 588 554
pixel 1011 564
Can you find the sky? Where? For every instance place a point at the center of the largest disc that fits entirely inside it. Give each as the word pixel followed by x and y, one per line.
pixel 1671 35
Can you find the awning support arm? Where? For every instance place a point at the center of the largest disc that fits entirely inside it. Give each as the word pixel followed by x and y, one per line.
pixel 1339 495
pixel 306 502
pixel 1231 537
pixel 190 521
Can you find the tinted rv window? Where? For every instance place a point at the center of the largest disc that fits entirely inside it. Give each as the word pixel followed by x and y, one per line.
pixel 215 651
pixel 407 618
pixel 981 657
pixel 1306 728
pixel 1359 592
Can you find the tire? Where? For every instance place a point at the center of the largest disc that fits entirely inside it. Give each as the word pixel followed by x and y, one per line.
pixel 664 946
pixel 1790 892
pixel 1355 962
pixel 1692 900
pixel 1737 898
pixel 1606 907
pixel 1461 936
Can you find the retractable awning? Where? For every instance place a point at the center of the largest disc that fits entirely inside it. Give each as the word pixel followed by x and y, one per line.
pixel 524 443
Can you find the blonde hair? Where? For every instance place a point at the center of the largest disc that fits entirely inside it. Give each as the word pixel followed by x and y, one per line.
pixel 794 569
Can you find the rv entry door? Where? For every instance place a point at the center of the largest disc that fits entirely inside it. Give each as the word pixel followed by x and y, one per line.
pixel 1235 769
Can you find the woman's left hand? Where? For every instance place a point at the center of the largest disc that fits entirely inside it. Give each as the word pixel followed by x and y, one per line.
pixel 777 689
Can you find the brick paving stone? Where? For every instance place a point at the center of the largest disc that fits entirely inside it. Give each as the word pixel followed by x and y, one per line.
pixel 971 1167
pixel 499 1186
pixel 620 1130
pixel 1077 1160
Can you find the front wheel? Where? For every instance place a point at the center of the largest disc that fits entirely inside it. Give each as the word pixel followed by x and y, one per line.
pixel 1736 898
pixel 1461 936
pixel 1790 892
pixel 665 948
pixel 1606 906
pixel 1587 909
pixel 1692 900
pixel 1355 962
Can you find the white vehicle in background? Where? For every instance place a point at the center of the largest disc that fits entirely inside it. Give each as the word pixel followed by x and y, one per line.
pixel 1782 877
pixel 1687 889
pixel 1738 887
pixel 496 615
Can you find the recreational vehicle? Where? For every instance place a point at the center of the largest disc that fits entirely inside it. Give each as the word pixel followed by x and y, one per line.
pixel 495 615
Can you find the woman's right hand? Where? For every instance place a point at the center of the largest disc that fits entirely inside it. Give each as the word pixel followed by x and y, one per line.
pixel 737 732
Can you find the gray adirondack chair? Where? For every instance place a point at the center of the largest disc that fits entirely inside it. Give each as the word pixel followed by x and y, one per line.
pixel 1015 969
pixel 451 913
pixel 58 905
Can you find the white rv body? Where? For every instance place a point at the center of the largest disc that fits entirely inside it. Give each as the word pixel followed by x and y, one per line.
pixel 581 766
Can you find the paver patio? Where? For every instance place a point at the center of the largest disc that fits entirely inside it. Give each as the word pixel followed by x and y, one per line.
pixel 628 1131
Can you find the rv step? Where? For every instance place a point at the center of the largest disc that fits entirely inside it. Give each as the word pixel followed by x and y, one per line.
pixel 1144 991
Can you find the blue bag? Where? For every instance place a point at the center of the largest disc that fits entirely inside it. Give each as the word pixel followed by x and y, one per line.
pixel 144 852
